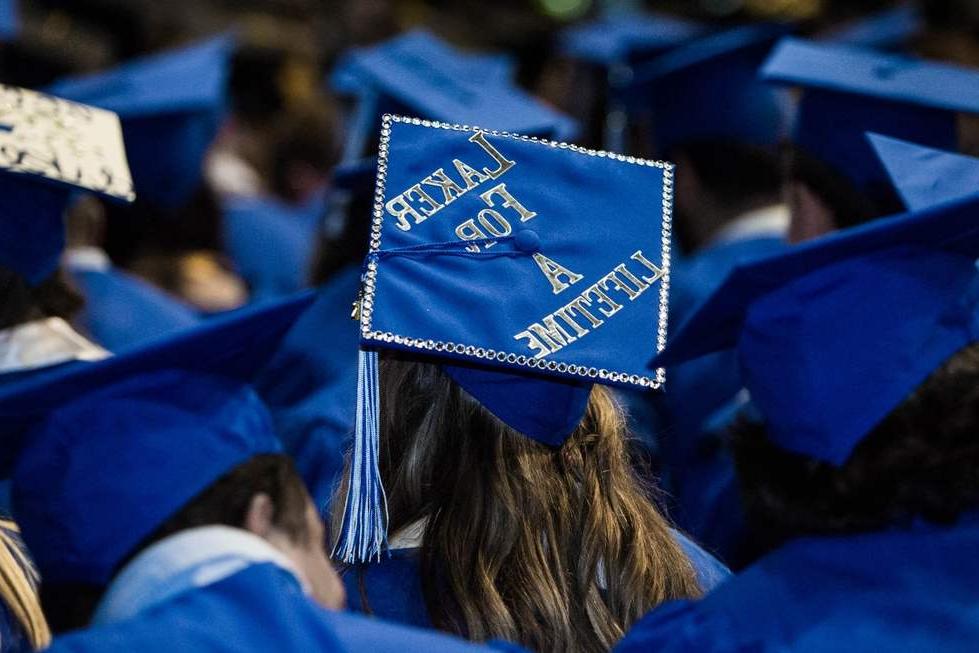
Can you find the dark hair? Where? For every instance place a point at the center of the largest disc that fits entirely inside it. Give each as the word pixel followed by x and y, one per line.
pixel 849 205
pixel 20 303
pixel 307 135
pixel 921 461
pixel 71 605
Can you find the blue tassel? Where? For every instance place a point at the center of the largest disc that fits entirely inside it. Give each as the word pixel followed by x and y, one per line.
pixel 364 531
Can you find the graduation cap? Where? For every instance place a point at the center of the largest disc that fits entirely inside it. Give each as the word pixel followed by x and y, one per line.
pixel 531 268
pixel 848 91
pixel 171 106
pixel 890 29
pixel 626 37
pixel 924 176
pixel 109 450
pixel 51 148
pixel 9 20
pixel 418 74
pixel 833 335
pixel 708 89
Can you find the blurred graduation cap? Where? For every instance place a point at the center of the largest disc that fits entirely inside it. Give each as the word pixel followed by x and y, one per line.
pixel 532 269
pixel 833 335
pixel 415 73
pixel 171 106
pixel 848 91
pixel 626 37
pixel 924 176
pixel 708 88
pixel 9 20
pixel 105 452
pixel 890 29
pixel 52 148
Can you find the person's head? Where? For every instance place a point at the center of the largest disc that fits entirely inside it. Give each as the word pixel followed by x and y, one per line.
pixel 305 146
pixel 21 302
pixel 264 496
pixel 556 548
pixel 920 462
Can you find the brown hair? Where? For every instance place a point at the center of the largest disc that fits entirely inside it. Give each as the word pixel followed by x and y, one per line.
pixel 921 461
pixel 519 534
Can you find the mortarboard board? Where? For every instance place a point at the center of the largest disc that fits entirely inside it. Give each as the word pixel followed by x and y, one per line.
pixel 626 37
pixel 531 268
pixel 923 176
pixel 109 450
pixel 708 89
pixel 171 106
pixel 51 149
pixel 848 91
pixel 890 29
pixel 402 75
pixel 9 20
pixel 833 335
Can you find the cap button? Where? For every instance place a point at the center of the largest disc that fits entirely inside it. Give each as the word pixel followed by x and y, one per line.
pixel 527 240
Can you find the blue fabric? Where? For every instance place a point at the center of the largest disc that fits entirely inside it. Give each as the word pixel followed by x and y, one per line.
pixel 708 89
pixel 121 311
pixel 890 29
pixel 9 20
pixel 272 243
pixel 393 591
pixel 849 91
pixel 259 609
pixel 924 176
pixel 428 286
pixel 903 590
pixel 862 316
pixel 170 418
pixel 310 385
pixel 626 37
pixel 31 231
pixel 177 98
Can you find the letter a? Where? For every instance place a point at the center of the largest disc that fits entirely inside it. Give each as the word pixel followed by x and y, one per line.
pixel 554 271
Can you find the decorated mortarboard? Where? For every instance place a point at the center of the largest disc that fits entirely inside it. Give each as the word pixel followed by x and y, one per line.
pixel 924 176
pixel 709 89
pixel 9 20
pixel 626 37
pixel 402 75
pixel 106 452
pixel 890 29
pixel 833 335
pixel 848 91
pixel 532 269
pixel 51 148
pixel 171 106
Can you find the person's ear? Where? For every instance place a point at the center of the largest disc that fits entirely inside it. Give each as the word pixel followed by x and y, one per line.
pixel 811 217
pixel 259 518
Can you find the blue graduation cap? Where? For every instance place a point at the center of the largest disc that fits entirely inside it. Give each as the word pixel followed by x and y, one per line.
pixel 415 73
pixel 626 37
pixel 532 268
pixel 848 91
pixel 709 89
pixel 171 106
pixel 109 450
pixel 52 148
pixel 924 176
pixel 890 29
pixel 833 335
pixel 9 20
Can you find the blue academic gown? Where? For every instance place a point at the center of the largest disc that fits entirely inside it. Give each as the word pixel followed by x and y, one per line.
pixel 261 608
pixel 912 590
pixel 394 592
pixel 272 243
pixel 122 311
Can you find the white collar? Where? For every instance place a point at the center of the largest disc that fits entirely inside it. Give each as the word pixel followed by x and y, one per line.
pixel 86 258
pixel 43 343
pixel 190 559
pixel 768 221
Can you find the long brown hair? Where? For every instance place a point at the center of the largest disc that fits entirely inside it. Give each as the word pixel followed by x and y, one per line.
pixel 557 549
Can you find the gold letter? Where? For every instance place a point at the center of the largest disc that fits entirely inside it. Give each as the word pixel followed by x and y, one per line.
pixel 399 208
pixel 503 164
pixel 580 304
pixel 469 231
pixel 613 278
pixel 450 189
pixel 509 201
pixel 502 227
pixel 471 176
pixel 425 198
pixel 533 343
pixel 613 306
pixel 624 271
pixel 551 333
pixel 554 271
pixel 657 272
pixel 565 314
